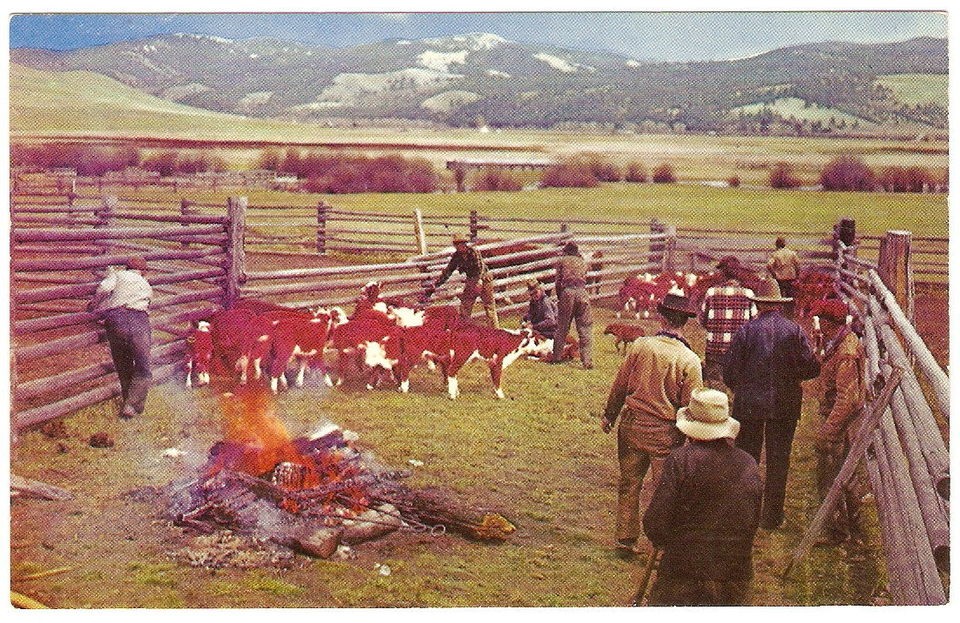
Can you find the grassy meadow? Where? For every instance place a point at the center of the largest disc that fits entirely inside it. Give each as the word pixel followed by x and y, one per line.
pixel 538 457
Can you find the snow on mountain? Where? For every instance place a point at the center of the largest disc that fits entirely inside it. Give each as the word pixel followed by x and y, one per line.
pixel 496 73
pixel 473 42
pixel 351 89
pixel 441 61
pixel 559 64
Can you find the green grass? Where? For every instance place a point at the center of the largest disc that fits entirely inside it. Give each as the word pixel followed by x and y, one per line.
pixel 799 109
pixel 538 457
pixel 916 89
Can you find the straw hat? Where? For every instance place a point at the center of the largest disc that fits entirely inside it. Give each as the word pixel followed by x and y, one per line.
pixel 458 238
pixel 707 417
pixel 769 292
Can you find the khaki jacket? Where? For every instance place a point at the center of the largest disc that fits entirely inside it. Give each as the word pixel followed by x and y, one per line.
pixel 571 273
pixel 784 264
pixel 655 379
pixel 843 388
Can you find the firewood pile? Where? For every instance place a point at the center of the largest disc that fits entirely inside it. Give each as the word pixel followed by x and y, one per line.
pixel 311 494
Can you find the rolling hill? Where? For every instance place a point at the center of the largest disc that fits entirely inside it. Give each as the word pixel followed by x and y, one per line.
pixel 481 78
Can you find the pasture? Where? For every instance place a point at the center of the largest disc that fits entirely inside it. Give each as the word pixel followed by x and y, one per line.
pixel 538 457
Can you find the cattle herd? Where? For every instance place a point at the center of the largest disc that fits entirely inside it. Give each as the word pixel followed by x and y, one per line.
pixel 386 339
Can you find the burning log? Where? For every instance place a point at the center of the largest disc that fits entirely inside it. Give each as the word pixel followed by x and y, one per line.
pixel 434 507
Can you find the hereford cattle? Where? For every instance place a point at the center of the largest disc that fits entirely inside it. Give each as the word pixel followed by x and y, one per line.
pixel 812 285
pixel 544 349
pixel 747 277
pixel 301 340
pixel 498 347
pixel 240 337
pixel 199 354
pixel 640 294
pixel 404 348
pixel 351 339
pixel 624 334
pixel 443 316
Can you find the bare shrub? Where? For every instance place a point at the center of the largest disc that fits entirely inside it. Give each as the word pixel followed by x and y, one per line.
pixel 568 175
pixel 494 178
pixel 847 173
pixel 164 163
pixel 600 167
pixel 636 172
pixel 782 176
pixel 664 174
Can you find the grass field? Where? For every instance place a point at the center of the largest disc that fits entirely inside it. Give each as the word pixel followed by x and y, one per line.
pixel 682 205
pixel 538 457
pixel 917 88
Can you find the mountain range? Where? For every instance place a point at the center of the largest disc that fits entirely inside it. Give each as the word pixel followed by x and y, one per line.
pixel 483 79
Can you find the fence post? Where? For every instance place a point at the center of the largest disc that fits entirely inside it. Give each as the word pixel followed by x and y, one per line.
pixel 185 210
pixel 474 225
pixel 236 224
pixel 655 255
pixel 670 249
pixel 418 231
pixel 322 227
pixel 895 269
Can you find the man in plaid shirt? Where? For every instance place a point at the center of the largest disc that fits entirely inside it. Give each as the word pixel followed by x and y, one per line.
pixel 725 309
pixel 478 283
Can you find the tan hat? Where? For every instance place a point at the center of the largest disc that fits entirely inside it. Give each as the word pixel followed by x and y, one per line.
pixel 707 417
pixel 533 284
pixel 768 292
pixel 458 238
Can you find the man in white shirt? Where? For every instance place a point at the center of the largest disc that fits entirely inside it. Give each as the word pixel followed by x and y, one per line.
pixel 121 301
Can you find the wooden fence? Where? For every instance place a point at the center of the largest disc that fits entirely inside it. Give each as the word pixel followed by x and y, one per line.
pixel 198 264
pixel 906 459
pixel 59 257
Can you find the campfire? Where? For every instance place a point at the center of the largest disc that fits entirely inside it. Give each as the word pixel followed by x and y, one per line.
pixel 310 494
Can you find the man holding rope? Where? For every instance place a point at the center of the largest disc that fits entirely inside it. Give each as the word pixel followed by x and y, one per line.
pixel 479 281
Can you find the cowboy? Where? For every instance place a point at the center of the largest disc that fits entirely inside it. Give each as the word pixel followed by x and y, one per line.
pixel 478 283
pixel 725 308
pixel 121 302
pixel 843 396
pixel 784 266
pixel 574 304
pixel 705 511
pixel 767 359
pixel 542 313
pixel 657 377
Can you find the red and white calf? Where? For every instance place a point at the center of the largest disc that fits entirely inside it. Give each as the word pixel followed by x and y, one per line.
pixel 199 354
pixel 301 340
pixel 623 334
pixel 498 347
pixel 241 337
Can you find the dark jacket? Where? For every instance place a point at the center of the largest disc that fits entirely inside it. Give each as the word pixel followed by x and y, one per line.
pixel 705 512
pixel 542 315
pixel 767 359
pixel 468 261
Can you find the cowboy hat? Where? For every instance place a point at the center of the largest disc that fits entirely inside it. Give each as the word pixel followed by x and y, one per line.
pixel 458 238
pixel 707 417
pixel 768 292
pixel 571 248
pixel 676 303
pixel 533 284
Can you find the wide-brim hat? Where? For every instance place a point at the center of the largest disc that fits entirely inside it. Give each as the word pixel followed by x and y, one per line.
pixel 728 261
pixel 768 292
pixel 707 417
pixel 676 303
pixel 458 238
pixel 533 284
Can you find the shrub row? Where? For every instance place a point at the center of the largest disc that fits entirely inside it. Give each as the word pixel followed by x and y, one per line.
pixel 851 173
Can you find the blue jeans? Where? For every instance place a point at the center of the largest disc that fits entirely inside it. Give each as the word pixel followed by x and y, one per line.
pixel 128 332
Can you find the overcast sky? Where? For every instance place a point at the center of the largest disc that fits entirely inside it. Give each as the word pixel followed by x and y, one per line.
pixel 678 36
